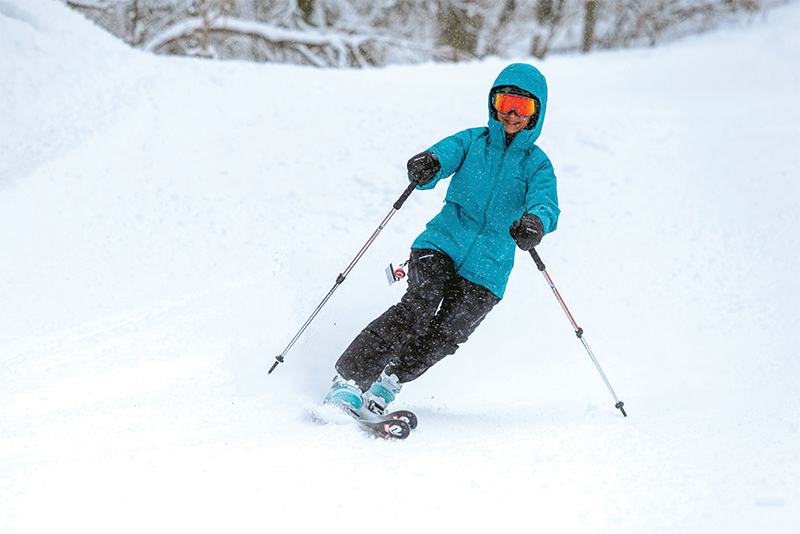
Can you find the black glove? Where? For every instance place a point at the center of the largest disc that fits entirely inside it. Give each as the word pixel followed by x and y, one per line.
pixel 527 231
pixel 423 167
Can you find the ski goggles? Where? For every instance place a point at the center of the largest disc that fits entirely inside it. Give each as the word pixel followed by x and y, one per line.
pixel 505 103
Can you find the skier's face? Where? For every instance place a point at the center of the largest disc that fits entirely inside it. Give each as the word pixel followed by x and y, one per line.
pixel 512 122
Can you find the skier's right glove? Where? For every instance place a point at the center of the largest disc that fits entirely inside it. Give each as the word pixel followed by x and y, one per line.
pixel 423 167
pixel 527 231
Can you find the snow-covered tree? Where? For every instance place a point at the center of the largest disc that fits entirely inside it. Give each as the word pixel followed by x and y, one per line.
pixel 376 32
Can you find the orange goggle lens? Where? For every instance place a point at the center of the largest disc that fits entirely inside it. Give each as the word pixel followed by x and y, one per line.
pixel 505 103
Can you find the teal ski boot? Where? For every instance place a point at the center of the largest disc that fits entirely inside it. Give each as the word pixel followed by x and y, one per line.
pixel 382 393
pixel 345 394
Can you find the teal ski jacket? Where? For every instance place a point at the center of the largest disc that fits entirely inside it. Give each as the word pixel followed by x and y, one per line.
pixel 492 185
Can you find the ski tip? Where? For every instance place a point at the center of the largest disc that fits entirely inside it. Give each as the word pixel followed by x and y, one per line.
pixel 394 429
pixel 387 428
pixel 407 416
pixel 396 425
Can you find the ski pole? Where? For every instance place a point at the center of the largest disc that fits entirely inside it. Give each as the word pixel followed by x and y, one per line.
pixel 340 279
pixel 578 330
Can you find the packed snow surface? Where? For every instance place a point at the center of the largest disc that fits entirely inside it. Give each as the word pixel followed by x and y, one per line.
pixel 168 224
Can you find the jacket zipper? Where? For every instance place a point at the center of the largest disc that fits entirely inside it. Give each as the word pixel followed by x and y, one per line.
pixel 495 179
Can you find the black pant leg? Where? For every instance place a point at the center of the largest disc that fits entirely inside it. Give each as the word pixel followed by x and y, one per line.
pixel 464 307
pixel 384 338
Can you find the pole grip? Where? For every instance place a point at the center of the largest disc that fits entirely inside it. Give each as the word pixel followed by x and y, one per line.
pixel 410 189
pixel 536 259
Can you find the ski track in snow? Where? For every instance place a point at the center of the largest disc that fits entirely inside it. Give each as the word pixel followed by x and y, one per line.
pixel 167 224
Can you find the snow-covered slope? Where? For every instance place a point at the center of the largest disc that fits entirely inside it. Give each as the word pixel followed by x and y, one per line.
pixel 166 226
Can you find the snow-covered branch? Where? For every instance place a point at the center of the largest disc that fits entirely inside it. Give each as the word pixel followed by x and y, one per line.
pixel 338 41
pixel 94 4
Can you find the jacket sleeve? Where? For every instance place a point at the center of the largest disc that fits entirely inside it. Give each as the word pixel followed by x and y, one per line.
pixel 451 152
pixel 542 196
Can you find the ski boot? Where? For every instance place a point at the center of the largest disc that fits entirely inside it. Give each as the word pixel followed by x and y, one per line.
pixel 345 394
pixel 382 392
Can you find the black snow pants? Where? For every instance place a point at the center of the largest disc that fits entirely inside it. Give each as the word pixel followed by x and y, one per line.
pixel 439 310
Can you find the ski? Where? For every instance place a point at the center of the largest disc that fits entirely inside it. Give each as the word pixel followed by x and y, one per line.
pixel 386 428
pixel 405 415
pixel 394 425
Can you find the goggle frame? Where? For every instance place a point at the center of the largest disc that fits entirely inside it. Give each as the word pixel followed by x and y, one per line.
pixel 516 103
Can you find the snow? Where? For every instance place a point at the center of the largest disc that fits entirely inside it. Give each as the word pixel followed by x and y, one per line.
pixel 168 224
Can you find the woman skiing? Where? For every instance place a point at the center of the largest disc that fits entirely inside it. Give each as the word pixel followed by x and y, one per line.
pixel 502 192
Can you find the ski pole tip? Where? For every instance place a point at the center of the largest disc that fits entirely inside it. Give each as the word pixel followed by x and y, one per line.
pixel 619 406
pixel 278 360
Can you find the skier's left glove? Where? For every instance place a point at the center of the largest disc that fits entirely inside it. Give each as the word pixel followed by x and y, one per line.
pixel 527 231
pixel 423 167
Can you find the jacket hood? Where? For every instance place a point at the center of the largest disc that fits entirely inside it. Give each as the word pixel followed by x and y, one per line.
pixel 528 78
